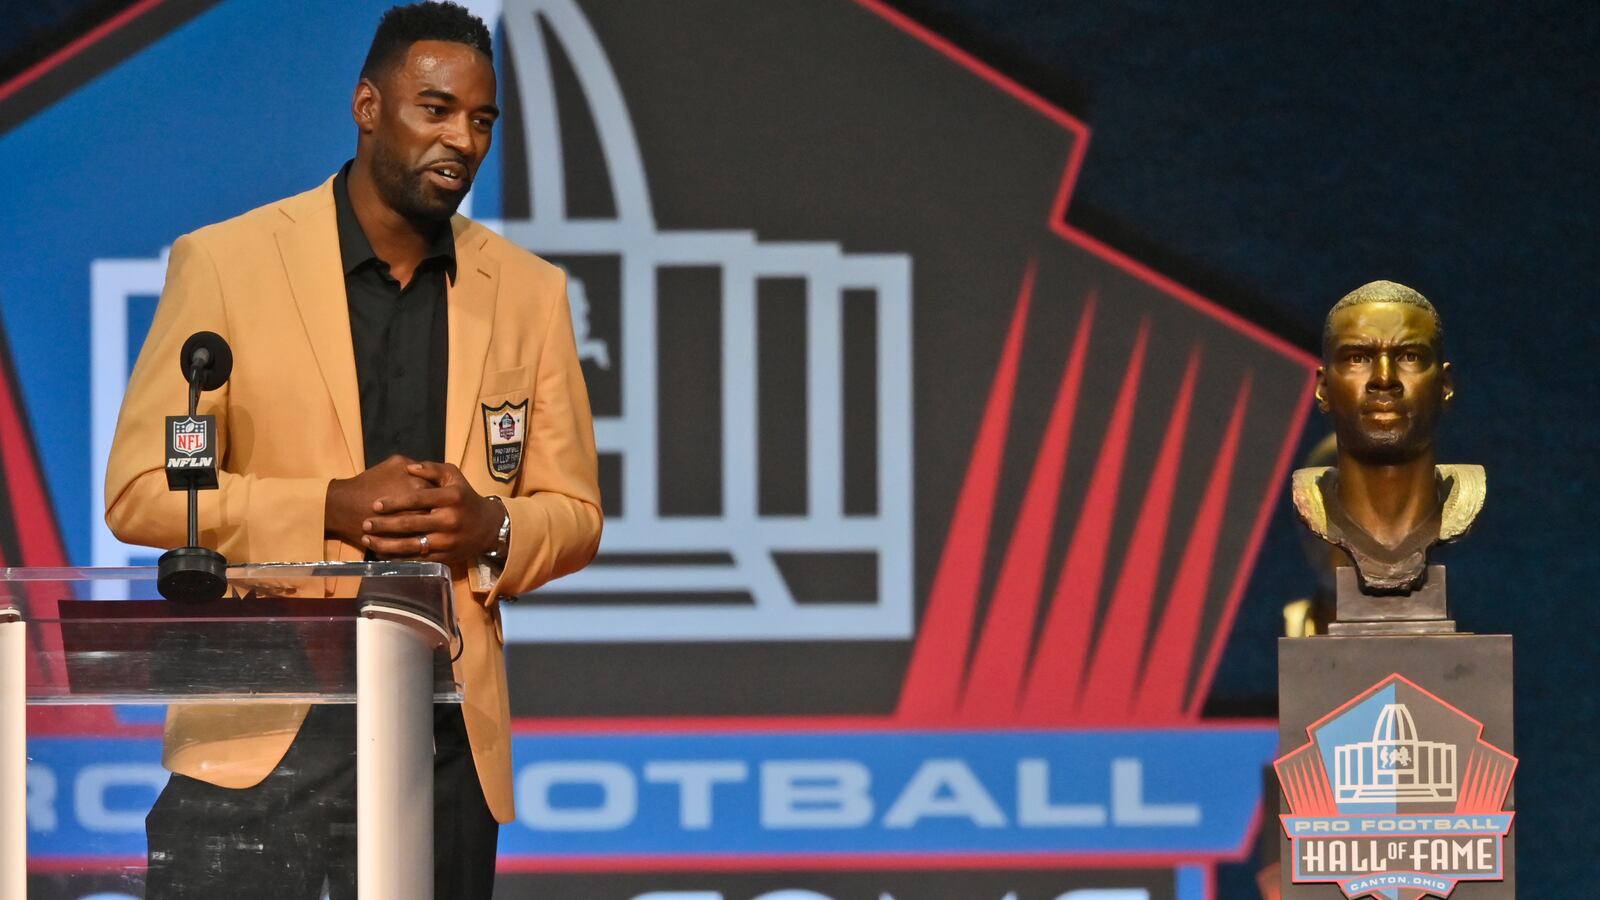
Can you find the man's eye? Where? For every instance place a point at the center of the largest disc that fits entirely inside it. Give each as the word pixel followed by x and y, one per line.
pixel 1409 356
pixel 1359 359
pixel 434 110
pixel 485 124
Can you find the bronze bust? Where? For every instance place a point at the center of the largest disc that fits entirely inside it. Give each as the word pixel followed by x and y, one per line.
pixel 1384 384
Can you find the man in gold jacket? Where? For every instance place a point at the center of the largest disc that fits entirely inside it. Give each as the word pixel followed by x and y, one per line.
pixel 405 386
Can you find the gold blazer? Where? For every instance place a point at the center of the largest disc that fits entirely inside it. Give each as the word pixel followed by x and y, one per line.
pixel 289 420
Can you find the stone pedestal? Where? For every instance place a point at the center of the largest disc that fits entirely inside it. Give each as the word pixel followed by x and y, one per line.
pixel 1441 772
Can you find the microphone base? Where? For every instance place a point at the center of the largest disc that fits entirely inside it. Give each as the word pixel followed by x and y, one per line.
pixel 192 575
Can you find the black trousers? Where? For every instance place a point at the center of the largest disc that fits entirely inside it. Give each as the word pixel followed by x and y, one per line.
pixel 281 839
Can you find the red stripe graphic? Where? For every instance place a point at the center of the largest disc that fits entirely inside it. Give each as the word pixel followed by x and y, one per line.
pixel 1486 779
pixel 1497 792
pixel 1300 798
pixel 1052 685
pixel 34 528
pixel 1466 799
pixel 1166 672
pixel 38 543
pixel 1326 804
pixel 1108 691
pixel 1494 784
pixel 1241 574
pixel 1300 793
pixel 1291 788
pixel 1476 788
pixel 1057 219
pixel 1505 766
pixel 1305 783
pixel 933 678
pixel 996 677
pixel 88 39
pixel 1488 775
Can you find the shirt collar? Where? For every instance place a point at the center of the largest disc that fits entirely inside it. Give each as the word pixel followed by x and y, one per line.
pixel 354 248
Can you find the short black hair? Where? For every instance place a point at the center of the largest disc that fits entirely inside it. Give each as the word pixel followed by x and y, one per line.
pixel 403 26
pixel 1382 292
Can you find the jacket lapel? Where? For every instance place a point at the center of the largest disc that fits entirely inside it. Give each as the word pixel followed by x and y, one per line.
pixel 309 244
pixel 471 316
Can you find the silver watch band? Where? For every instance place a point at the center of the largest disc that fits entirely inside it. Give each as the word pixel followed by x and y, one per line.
pixel 502 541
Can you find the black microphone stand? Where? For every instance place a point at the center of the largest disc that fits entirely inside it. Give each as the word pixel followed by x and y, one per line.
pixel 202 358
pixel 192 573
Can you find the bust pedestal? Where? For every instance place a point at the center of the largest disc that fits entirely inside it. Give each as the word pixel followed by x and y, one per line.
pixel 1393 722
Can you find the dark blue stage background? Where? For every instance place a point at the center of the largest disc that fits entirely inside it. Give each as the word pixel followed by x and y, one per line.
pixel 1275 156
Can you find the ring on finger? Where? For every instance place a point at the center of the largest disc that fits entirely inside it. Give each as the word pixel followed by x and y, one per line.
pixel 423 542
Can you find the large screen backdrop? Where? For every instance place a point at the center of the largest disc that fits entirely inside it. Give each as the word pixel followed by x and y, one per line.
pixel 927 514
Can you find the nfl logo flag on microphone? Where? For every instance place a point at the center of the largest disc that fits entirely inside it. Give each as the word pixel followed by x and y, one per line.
pixel 191 452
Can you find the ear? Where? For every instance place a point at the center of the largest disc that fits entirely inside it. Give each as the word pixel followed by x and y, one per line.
pixel 364 106
pixel 1448 381
pixel 1322 389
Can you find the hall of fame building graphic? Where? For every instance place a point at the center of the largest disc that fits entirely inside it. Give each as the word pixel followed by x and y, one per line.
pixel 1396 796
pixel 1395 764
pixel 928 513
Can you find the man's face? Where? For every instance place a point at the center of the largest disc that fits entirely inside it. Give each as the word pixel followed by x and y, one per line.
pixel 1382 383
pixel 429 123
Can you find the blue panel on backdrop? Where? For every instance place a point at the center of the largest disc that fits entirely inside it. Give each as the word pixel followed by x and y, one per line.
pixel 875 794
pixel 888 793
pixel 87 797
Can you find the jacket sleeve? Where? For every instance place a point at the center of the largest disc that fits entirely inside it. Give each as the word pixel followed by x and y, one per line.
pixel 555 517
pixel 248 517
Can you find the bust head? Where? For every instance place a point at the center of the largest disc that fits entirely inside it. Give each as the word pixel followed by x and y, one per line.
pixel 1383 380
pixel 1384 384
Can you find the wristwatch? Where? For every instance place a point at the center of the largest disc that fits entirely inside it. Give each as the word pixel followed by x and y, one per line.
pixel 502 540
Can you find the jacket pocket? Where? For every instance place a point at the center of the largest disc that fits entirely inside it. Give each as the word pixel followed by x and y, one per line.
pixel 505 381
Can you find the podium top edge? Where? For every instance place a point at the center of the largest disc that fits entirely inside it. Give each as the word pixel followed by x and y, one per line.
pixel 243 571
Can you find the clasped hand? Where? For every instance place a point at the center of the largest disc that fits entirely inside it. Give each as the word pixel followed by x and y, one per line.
pixel 405 509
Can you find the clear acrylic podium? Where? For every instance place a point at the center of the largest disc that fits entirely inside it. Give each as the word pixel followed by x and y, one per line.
pixel 377 635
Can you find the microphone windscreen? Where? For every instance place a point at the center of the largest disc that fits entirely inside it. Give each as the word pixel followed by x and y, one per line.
pixel 215 371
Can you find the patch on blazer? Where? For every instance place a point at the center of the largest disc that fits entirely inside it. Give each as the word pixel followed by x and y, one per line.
pixel 504 428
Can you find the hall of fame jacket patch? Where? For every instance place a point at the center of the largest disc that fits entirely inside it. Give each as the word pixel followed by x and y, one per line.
pixel 504 430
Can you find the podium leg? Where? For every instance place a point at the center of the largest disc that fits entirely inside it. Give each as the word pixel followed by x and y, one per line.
pixel 394 761
pixel 13 761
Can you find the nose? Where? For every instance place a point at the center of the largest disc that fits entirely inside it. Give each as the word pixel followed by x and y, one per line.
pixel 455 135
pixel 1382 374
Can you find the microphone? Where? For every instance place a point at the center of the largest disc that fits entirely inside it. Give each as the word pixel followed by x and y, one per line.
pixel 192 573
pixel 206 356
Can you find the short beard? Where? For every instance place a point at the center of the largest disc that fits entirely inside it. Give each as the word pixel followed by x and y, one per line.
pixel 406 192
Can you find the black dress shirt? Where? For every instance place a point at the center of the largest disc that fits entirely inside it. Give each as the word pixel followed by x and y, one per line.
pixel 401 338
